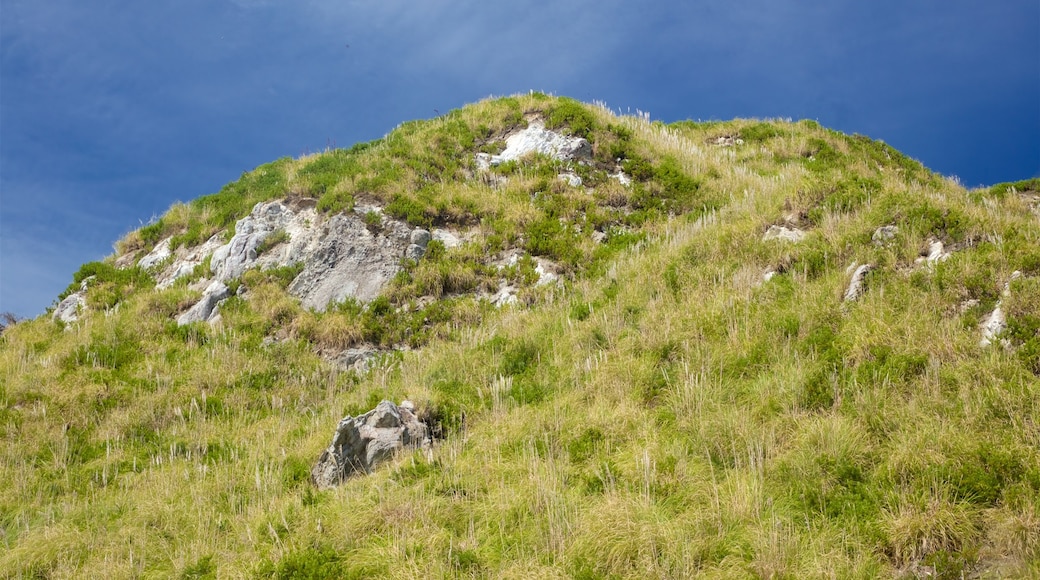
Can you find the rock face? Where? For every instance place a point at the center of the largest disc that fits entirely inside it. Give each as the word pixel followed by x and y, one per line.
pixel 341 257
pixel 884 234
pixel 537 139
pixel 350 261
pixel 856 284
pixel 361 443
pixel 784 233
pixel 206 308
pixel 995 323
pixel 68 309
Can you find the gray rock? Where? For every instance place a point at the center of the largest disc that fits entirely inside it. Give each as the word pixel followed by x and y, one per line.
pixel 884 234
pixel 572 179
pixel 414 252
pixel 537 139
pixel 447 238
pixel 362 443
pixel 420 237
pixel 69 309
pixel 784 233
pixel 348 261
pixel 205 309
pixel 857 285
pixel 157 255
pixel 230 261
pixel 358 359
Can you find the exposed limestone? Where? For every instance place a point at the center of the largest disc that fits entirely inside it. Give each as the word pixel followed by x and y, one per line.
pixel 505 296
pixel 857 284
pixel 784 234
pixel 349 261
pixel 936 253
pixel 362 443
pixel 185 260
pixel 447 238
pixel 69 309
pixel 995 323
pixel 206 308
pixel 884 234
pixel 358 359
pixel 622 178
pixel 571 179
pixel 725 141
pixel 160 252
pixel 537 139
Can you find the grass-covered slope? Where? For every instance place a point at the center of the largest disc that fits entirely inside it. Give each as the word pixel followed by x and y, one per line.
pixel 664 412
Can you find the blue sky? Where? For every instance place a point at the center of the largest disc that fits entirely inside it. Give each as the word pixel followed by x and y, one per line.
pixel 111 110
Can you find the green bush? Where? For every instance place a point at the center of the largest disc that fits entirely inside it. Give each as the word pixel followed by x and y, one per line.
pixel 571 115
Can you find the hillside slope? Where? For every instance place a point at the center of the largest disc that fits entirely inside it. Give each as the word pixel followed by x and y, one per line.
pixel 739 349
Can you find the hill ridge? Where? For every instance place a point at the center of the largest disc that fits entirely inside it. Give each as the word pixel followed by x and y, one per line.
pixel 741 348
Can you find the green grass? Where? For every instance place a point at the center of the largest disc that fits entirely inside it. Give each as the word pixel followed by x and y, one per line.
pixel 663 412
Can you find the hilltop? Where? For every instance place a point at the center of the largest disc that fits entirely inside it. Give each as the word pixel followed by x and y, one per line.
pixel 752 348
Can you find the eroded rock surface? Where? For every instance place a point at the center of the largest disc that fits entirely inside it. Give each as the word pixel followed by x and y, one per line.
pixel 995 323
pixel 206 308
pixel 69 309
pixel 361 443
pixel 857 284
pixel 537 139
pixel 784 234
pixel 884 234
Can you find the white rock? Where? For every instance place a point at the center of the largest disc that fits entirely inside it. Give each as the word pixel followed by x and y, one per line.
pixel 447 238
pixel 884 234
pixel 857 285
pixel 622 178
pixel 572 179
pixel 784 233
pixel 992 326
pixel 206 308
pixel 537 139
pixel 158 254
pixel 546 272
pixel 69 309
pixel 936 253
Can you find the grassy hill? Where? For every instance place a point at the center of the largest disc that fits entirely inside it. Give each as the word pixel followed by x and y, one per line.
pixel 666 411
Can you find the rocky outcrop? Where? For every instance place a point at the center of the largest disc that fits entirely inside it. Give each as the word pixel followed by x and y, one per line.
pixel 884 234
pixel 341 256
pixel 206 308
pixel 784 234
pixel 995 323
pixel 349 261
pixel 936 253
pixel 857 284
pixel 362 443
pixel 537 139
pixel 69 309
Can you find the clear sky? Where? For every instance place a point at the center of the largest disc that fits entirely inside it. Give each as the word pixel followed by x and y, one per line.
pixel 111 110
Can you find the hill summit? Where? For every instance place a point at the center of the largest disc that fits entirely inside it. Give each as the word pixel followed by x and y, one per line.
pixel 535 338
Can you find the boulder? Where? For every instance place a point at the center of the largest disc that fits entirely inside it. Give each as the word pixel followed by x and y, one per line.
pixel 537 139
pixel 205 309
pixel 157 255
pixel 68 310
pixel 936 253
pixel 362 443
pixel 784 234
pixel 857 285
pixel 349 261
pixel 884 234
